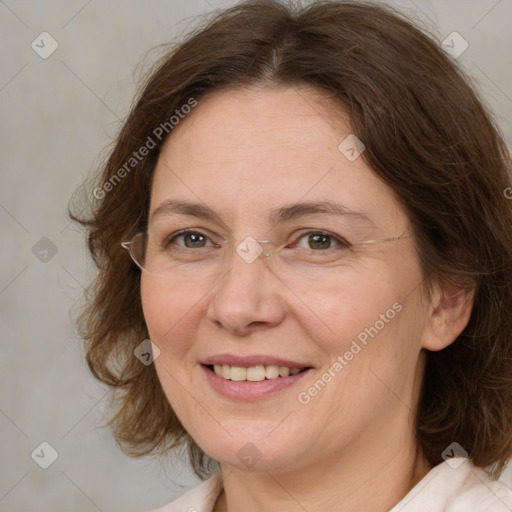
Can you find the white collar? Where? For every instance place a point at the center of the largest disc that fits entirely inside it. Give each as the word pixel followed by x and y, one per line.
pixel 456 485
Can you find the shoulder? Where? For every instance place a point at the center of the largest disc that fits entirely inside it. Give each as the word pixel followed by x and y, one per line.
pixel 201 498
pixel 457 485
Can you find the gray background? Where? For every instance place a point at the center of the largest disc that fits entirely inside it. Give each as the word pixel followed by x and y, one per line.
pixel 57 115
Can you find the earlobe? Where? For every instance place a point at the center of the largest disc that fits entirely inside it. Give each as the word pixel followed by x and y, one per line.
pixel 451 308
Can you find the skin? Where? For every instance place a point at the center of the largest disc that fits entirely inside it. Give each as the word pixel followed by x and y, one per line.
pixel 352 447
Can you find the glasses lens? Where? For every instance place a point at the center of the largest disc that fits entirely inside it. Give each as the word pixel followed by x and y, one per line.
pixel 198 258
pixel 138 249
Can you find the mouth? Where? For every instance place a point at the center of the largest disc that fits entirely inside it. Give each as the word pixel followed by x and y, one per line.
pixel 255 373
pixel 252 378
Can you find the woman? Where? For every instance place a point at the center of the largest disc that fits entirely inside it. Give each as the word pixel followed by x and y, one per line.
pixel 316 200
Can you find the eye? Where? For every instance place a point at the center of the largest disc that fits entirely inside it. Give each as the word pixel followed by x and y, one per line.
pixel 189 240
pixel 320 241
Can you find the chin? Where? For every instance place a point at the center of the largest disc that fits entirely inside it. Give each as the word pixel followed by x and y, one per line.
pixel 254 453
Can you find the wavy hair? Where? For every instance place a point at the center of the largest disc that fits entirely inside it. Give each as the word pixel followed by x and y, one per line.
pixel 427 136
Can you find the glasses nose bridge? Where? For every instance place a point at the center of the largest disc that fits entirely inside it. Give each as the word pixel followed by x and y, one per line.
pixel 250 249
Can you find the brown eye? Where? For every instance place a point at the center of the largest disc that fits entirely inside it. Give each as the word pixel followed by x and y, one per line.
pixel 193 240
pixel 319 241
pixel 189 240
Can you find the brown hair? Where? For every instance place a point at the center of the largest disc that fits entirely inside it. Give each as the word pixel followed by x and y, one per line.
pixel 427 136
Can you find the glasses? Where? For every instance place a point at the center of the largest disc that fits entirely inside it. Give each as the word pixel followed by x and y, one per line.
pixel 191 254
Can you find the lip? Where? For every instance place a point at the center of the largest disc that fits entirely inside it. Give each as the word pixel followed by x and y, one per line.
pixel 251 391
pixel 252 360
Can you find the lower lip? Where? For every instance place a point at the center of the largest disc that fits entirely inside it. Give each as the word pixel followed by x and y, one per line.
pixel 250 391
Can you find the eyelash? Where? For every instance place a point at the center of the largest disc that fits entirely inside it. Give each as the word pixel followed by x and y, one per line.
pixel 341 242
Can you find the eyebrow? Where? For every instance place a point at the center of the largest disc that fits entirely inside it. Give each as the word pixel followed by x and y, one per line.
pixel 282 214
pixel 198 210
pixel 299 210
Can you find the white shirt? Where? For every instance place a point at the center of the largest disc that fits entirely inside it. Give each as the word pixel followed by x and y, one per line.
pixel 453 486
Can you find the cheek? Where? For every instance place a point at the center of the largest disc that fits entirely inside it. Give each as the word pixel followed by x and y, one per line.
pixel 347 307
pixel 172 318
pixel 372 359
pixel 368 322
pixel 170 310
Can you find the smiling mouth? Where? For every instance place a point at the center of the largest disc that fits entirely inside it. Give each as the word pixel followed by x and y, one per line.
pixel 256 373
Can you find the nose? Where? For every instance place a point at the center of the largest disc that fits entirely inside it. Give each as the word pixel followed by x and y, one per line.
pixel 247 297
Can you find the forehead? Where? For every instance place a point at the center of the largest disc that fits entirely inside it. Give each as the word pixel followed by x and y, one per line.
pixel 241 128
pixel 247 151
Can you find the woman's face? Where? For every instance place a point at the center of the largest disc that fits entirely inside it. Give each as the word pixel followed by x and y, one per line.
pixel 241 165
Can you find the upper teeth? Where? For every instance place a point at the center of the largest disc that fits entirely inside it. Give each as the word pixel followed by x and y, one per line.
pixel 253 373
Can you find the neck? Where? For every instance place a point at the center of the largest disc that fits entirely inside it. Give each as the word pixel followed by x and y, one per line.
pixel 376 480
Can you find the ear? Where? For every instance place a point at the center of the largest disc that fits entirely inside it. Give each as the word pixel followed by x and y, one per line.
pixel 450 311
